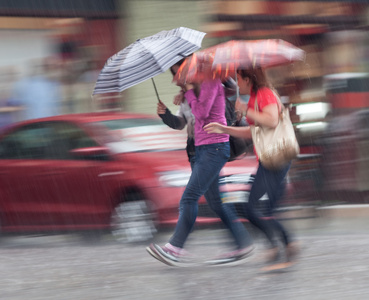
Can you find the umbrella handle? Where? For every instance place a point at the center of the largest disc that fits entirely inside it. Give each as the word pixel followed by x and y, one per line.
pixel 93 102
pixel 156 91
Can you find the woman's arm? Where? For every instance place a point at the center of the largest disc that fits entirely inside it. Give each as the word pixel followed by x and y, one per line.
pixel 175 122
pixel 268 117
pixel 239 132
pixel 201 104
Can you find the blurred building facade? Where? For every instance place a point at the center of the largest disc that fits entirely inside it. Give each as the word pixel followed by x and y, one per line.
pixel 78 35
pixel 84 34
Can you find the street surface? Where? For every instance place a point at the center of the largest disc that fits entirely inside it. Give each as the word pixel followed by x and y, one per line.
pixel 334 264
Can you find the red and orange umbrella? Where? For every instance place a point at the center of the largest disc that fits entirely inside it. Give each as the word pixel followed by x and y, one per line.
pixel 197 67
pixel 224 59
pixel 262 53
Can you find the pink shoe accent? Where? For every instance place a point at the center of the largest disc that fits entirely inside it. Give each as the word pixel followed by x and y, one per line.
pixel 179 252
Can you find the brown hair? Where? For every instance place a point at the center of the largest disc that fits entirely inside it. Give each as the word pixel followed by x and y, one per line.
pixel 257 77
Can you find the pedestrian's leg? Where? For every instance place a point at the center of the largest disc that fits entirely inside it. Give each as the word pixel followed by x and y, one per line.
pixel 217 155
pixel 228 215
pixel 173 253
pixel 188 208
pixel 209 161
pixel 251 211
pixel 275 190
pixel 204 171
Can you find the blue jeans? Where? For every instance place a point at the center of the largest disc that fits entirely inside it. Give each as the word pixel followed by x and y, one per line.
pixel 272 183
pixel 204 180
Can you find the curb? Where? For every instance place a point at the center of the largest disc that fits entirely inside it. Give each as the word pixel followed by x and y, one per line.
pixel 331 211
pixel 344 211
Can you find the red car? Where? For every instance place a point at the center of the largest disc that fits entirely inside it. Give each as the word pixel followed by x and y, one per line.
pixel 118 171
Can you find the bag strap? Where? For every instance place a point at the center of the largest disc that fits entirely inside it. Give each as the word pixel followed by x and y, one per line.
pixel 278 100
pixel 256 107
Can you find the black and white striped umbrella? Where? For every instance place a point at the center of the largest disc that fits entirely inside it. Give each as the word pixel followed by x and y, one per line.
pixel 147 58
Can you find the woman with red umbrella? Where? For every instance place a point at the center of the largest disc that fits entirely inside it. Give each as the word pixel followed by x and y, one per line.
pixel 253 82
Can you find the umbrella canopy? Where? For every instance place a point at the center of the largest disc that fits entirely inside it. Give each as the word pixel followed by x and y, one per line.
pixel 147 58
pixel 224 59
pixel 268 53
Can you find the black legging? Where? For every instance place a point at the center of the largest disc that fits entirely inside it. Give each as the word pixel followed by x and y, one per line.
pixel 273 184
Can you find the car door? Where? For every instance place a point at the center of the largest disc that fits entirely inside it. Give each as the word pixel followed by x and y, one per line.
pixel 43 185
pixel 21 194
pixel 79 190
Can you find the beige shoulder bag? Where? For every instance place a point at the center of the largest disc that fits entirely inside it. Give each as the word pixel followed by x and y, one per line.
pixel 275 147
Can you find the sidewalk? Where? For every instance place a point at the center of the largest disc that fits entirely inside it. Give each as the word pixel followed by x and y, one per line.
pixel 331 266
pixel 340 219
pixel 329 211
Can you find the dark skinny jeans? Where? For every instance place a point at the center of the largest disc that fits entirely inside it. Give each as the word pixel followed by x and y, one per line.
pixel 272 183
pixel 209 161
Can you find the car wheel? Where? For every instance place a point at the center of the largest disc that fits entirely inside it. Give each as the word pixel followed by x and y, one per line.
pixel 133 221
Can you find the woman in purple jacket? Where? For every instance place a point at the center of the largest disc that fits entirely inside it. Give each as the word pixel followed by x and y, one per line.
pixel 207 102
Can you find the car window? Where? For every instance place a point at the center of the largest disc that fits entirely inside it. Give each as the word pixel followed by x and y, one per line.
pixel 48 140
pixel 29 142
pixel 67 137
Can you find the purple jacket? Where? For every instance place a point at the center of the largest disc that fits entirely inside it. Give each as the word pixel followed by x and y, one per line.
pixel 208 107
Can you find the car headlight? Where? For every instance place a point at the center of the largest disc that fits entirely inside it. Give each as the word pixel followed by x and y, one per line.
pixel 180 178
pixel 235 197
pixel 174 178
pixel 237 179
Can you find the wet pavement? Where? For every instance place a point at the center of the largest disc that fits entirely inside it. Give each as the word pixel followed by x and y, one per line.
pixel 333 265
